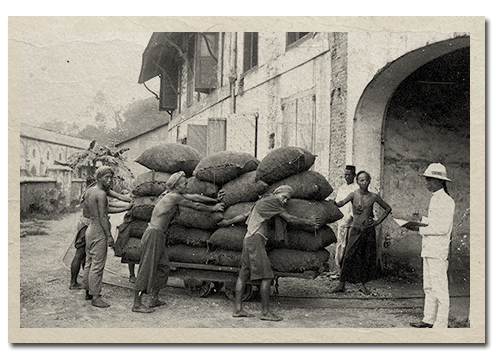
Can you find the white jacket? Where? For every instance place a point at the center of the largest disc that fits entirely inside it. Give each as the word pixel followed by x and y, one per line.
pixel 436 236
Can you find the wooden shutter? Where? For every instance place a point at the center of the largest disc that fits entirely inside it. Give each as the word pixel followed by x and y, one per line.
pixel 299 121
pixel 207 51
pixel 169 85
pixel 216 135
pixel 197 137
pixel 241 133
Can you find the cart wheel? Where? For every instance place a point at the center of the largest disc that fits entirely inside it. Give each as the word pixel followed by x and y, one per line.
pixel 230 290
pixel 217 286
pixel 197 288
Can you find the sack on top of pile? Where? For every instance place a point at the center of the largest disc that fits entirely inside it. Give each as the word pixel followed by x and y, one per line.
pixel 222 167
pixel 244 188
pixel 196 186
pixel 170 158
pixel 324 210
pixel 309 185
pixel 284 162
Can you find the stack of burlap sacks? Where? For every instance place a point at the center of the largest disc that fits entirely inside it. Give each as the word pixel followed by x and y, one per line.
pixel 194 236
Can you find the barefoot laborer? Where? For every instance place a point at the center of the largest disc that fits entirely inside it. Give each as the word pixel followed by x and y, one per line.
pixel 98 235
pixel 79 240
pixel 254 264
pixel 359 263
pixel 154 268
pixel 436 237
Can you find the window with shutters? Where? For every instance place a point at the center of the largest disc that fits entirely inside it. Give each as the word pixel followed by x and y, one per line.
pixel 206 62
pixel 291 38
pixel 250 50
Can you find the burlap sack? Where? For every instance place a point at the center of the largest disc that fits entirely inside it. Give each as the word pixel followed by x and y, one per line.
pixel 304 240
pixel 222 167
pixel 298 261
pixel 132 251
pixel 170 158
pixel 188 254
pixel 142 207
pixel 284 162
pixel 243 189
pixel 228 238
pixel 238 209
pixel 324 210
pixel 309 185
pixel 149 188
pixel 224 257
pixel 137 228
pixel 191 218
pixel 178 234
pixel 151 176
pixel 196 186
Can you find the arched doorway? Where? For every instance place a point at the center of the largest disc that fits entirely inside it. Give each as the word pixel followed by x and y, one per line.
pixel 406 118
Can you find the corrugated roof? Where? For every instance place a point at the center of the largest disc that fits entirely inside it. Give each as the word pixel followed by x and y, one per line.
pixel 52 137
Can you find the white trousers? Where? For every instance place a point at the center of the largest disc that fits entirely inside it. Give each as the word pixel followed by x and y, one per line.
pixel 437 298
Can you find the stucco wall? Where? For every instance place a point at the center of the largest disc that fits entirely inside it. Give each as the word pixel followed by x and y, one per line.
pixel 37 156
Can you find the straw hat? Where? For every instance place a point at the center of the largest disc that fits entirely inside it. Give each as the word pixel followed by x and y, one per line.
pixel 436 170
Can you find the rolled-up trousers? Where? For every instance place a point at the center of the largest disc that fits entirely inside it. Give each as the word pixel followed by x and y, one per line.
pixel 437 299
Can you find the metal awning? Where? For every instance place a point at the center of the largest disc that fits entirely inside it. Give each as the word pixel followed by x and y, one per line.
pixel 158 54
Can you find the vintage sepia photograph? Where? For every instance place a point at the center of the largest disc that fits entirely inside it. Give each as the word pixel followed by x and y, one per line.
pixel 246 180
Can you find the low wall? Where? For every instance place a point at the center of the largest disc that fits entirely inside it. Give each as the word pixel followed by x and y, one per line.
pixel 38 194
pixel 52 193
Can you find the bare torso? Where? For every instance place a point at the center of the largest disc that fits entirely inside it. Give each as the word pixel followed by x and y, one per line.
pixel 165 211
pixel 362 208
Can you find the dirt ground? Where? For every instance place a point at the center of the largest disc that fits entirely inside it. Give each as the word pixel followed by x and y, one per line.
pixel 47 302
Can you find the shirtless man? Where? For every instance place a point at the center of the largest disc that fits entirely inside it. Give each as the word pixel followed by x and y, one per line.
pixel 154 266
pixel 359 262
pixel 83 223
pixel 98 235
pixel 255 263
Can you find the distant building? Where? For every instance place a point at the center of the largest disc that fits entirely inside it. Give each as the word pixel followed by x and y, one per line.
pixel 41 148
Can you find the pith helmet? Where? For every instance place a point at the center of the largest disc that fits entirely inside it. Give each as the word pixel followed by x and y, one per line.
pixel 436 170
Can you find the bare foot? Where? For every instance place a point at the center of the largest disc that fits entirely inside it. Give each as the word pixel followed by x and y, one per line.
pixel 156 303
pixel 132 279
pixel 270 317
pixel 75 286
pixel 242 314
pixel 142 309
pixel 99 303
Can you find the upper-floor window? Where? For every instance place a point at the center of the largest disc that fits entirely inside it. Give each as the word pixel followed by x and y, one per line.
pixel 250 50
pixel 293 37
pixel 206 61
pixel 202 64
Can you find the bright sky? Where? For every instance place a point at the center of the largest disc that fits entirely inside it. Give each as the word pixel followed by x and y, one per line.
pixel 61 71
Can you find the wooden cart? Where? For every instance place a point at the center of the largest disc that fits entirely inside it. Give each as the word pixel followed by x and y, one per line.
pixel 201 279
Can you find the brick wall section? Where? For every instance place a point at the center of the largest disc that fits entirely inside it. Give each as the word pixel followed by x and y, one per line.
pixel 338 108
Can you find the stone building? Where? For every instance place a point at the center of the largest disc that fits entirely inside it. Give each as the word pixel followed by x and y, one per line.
pixel 41 148
pixel 45 184
pixel 389 103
